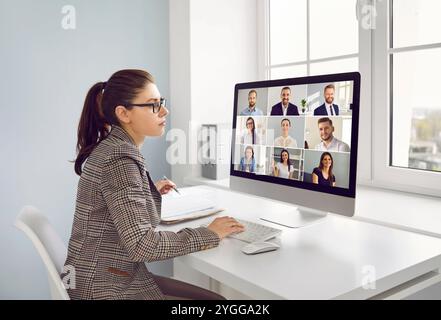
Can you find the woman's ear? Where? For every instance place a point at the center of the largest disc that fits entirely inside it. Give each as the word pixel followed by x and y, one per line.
pixel 122 114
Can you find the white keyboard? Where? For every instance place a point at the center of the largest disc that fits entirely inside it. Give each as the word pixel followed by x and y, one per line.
pixel 255 232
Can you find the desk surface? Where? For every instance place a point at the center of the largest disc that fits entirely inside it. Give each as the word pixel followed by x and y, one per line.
pixel 330 259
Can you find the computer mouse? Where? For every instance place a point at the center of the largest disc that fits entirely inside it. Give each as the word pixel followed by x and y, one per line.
pixel 260 247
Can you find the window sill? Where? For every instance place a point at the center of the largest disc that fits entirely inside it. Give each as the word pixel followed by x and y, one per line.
pixel 401 210
pixel 407 211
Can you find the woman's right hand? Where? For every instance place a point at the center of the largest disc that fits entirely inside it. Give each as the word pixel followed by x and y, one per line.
pixel 224 226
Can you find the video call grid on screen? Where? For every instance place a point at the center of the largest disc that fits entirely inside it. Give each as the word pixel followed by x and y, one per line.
pixel 310 121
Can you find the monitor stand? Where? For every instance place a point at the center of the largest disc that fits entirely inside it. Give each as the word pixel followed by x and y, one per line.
pixel 296 218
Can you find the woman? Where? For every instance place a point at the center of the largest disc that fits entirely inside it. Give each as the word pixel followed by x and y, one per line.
pixel 323 174
pixel 118 205
pixel 285 141
pixel 283 169
pixel 250 136
pixel 248 163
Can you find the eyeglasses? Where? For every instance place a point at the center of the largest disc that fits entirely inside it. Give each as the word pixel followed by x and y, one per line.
pixel 155 105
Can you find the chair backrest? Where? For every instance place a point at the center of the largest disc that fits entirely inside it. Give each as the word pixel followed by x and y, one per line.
pixel 307 177
pixel 49 246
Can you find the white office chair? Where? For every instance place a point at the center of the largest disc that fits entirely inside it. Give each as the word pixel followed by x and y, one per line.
pixel 48 244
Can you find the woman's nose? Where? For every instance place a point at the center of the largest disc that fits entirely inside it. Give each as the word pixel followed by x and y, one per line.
pixel 164 112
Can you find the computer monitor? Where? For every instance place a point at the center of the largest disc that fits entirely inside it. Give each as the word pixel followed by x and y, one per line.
pixel 295 140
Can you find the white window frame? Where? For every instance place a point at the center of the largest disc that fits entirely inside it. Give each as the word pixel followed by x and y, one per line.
pixel 374 132
pixel 364 55
pixel 385 175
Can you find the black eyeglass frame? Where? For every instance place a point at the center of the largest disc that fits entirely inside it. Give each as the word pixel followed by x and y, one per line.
pixel 155 105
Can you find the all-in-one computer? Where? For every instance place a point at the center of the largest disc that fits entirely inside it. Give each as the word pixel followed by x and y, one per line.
pixel 295 140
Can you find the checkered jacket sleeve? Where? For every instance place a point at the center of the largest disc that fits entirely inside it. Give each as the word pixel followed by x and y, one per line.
pixel 125 189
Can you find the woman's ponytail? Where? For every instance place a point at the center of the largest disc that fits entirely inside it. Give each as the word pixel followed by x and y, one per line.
pixel 92 128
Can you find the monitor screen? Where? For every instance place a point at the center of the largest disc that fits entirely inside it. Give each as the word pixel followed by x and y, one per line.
pixel 299 132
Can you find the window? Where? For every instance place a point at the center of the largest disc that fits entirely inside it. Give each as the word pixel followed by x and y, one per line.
pixel 407 103
pixel 306 38
pixel 312 37
pixel 415 54
pixel 396 46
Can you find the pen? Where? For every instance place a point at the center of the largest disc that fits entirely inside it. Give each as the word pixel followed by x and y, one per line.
pixel 174 188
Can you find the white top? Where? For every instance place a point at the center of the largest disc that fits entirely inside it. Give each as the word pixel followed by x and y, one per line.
pixel 287 142
pixel 283 170
pixel 329 259
pixel 285 109
pixel 328 109
pixel 247 138
pixel 335 145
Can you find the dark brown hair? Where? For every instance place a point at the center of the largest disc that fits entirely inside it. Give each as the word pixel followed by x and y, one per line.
pixel 99 109
pixel 329 86
pixel 252 91
pixel 288 160
pixel 254 128
pixel 252 150
pixel 323 120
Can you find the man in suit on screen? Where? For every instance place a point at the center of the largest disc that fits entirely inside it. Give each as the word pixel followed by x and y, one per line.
pixel 285 108
pixel 328 108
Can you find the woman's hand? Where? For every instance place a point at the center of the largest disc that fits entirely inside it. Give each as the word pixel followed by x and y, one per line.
pixel 164 186
pixel 224 226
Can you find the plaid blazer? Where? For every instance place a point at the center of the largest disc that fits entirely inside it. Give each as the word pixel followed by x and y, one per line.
pixel 117 210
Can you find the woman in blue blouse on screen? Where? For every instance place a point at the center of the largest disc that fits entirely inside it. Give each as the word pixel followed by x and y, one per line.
pixel 248 163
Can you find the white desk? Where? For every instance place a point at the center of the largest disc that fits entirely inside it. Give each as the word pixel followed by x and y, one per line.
pixel 330 259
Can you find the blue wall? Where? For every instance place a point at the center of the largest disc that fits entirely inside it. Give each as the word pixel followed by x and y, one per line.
pixel 45 74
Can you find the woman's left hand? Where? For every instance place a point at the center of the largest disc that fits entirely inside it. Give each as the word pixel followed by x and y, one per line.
pixel 164 186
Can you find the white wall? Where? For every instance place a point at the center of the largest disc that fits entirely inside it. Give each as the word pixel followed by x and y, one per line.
pixel 222 52
pixel 213 46
pixel 45 74
pixel 180 79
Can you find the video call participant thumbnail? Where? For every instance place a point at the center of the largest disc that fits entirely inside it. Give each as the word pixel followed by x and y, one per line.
pixel 252 110
pixel 247 162
pixel 284 107
pixel 328 108
pixel 323 175
pixel 250 136
pixel 329 142
pixel 285 140
pixel 283 168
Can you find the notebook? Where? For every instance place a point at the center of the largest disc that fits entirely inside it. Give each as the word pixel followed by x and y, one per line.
pixel 186 207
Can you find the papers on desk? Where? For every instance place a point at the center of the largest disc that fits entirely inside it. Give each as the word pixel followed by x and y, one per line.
pixel 177 209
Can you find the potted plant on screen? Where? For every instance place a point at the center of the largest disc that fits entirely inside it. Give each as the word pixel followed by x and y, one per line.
pixel 304 105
